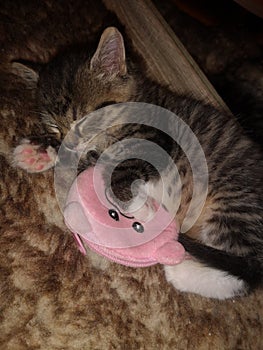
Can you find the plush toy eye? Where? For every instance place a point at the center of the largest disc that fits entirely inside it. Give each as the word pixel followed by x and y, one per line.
pixel 114 214
pixel 138 227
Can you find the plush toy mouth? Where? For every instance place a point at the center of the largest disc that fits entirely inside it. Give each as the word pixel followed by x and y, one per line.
pixel 169 253
pixel 116 256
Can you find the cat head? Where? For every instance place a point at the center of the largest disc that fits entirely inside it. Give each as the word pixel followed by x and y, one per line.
pixel 73 84
pixel 104 79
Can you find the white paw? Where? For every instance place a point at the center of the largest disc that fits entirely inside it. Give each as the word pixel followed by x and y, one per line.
pixel 191 276
pixel 32 158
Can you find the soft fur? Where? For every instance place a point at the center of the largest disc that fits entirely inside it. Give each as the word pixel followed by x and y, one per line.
pixel 52 297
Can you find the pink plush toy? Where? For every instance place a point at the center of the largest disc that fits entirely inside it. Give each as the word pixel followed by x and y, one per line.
pixel 95 220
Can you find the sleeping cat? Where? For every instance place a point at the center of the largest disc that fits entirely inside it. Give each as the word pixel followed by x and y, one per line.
pixel 226 242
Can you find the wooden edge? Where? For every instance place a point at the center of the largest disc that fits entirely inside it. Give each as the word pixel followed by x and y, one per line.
pixel 166 58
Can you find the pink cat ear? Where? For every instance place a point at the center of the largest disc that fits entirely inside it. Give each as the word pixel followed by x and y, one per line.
pixel 76 219
pixel 109 58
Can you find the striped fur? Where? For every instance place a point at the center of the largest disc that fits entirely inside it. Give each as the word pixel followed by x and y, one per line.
pixel 227 239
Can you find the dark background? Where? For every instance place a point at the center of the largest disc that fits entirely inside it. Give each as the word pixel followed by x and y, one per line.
pixel 226 41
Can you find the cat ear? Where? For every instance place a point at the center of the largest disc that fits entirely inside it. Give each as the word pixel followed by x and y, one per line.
pixel 109 57
pixel 26 72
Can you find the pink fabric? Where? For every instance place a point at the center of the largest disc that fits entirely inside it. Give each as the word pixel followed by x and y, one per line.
pixel 87 215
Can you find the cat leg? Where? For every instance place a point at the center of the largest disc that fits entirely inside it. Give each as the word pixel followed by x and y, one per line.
pixel 191 276
pixel 149 193
pixel 34 157
pixel 142 205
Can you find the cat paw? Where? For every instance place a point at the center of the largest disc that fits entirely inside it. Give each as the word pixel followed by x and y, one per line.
pixel 33 158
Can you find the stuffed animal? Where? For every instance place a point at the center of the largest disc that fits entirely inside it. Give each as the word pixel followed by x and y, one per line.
pixel 96 222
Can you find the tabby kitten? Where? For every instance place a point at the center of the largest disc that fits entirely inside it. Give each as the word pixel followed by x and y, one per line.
pixel 226 242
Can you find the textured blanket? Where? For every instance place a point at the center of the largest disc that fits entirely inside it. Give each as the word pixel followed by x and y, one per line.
pixel 51 296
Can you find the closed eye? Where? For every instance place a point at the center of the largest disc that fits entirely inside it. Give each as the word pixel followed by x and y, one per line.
pixel 53 129
pixel 104 104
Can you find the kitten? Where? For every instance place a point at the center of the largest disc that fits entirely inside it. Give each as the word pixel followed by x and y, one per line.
pixel 226 241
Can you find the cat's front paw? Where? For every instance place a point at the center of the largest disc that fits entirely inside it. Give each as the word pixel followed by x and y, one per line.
pixel 33 157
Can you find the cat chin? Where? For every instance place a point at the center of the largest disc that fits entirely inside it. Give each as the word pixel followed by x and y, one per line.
pixel 191 276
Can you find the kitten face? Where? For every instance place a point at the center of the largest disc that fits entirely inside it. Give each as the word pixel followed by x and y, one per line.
pixel 71 87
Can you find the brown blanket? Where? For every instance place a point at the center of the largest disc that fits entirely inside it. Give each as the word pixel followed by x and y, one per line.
pixel 52 297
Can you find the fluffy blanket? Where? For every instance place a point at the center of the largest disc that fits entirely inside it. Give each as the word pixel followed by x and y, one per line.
pixel 52 297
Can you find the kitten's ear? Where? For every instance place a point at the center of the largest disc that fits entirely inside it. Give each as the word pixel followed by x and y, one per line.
pixel 26 72
pixel 109 57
